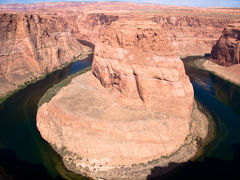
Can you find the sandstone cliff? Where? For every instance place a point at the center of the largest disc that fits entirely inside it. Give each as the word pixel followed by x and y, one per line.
pixel 89 27
pixel 226 51
pixel 138 60
pixel 193 34
pixel 32 45
pixel 191 31
pixel 188 34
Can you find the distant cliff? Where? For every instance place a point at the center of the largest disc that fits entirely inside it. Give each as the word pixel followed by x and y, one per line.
pixel 193 35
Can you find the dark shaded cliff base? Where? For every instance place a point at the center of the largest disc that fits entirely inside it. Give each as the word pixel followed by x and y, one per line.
pixel 210 168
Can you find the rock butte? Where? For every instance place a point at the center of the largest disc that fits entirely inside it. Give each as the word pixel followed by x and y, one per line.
pixel 136 109
pixel 224 58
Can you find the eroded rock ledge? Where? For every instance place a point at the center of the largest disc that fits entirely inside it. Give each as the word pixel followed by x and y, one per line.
pixel 135 114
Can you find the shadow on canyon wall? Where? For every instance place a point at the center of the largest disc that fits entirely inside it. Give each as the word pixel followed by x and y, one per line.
pixel 209 168
pixel 87 43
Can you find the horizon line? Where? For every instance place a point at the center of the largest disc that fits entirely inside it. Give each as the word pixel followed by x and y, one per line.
pixel 113 1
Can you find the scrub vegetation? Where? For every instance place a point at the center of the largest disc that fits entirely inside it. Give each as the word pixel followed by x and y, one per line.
pixel 50 93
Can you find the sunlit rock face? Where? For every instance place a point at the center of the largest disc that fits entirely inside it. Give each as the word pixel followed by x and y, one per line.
pixel 32 45
pixel 139 61
pixel 191 31
pixel 193 34
pixel 226 51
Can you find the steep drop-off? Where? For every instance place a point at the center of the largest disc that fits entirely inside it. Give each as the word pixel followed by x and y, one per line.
pixel 137 59
pixel 38 38
pixel 31 46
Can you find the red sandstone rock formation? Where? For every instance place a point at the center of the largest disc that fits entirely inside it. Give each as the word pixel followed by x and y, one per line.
pixel 191 31
pixel 226 51
pixel 191 34
pixel 138 60
pixel 32 45
pixel 141 111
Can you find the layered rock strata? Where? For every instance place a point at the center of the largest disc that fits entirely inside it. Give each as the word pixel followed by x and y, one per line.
pixel 193 34
pixel 226 51
pixel 140 62
pixel 32 45
pixel 137 110
pixel 191 31
pixel 188 34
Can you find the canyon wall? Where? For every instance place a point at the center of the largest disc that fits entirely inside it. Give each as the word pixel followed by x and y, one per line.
pixel 188 34
pixel 31 46
pixel 35 39
pixel 193 34
pixel 226 51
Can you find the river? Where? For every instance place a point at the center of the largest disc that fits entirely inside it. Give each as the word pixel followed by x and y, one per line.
pixel 25 155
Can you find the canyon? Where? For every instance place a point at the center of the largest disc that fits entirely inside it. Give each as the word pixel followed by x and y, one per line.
pixel 35 38
pixel 136 109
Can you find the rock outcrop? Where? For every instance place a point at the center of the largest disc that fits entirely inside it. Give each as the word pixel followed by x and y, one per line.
pixel 192 34
pixel 139 113
pixel 138 60
pixel 31 46
pixel 226 51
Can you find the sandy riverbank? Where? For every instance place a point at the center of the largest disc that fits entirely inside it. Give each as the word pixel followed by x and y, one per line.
pixel 231 73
